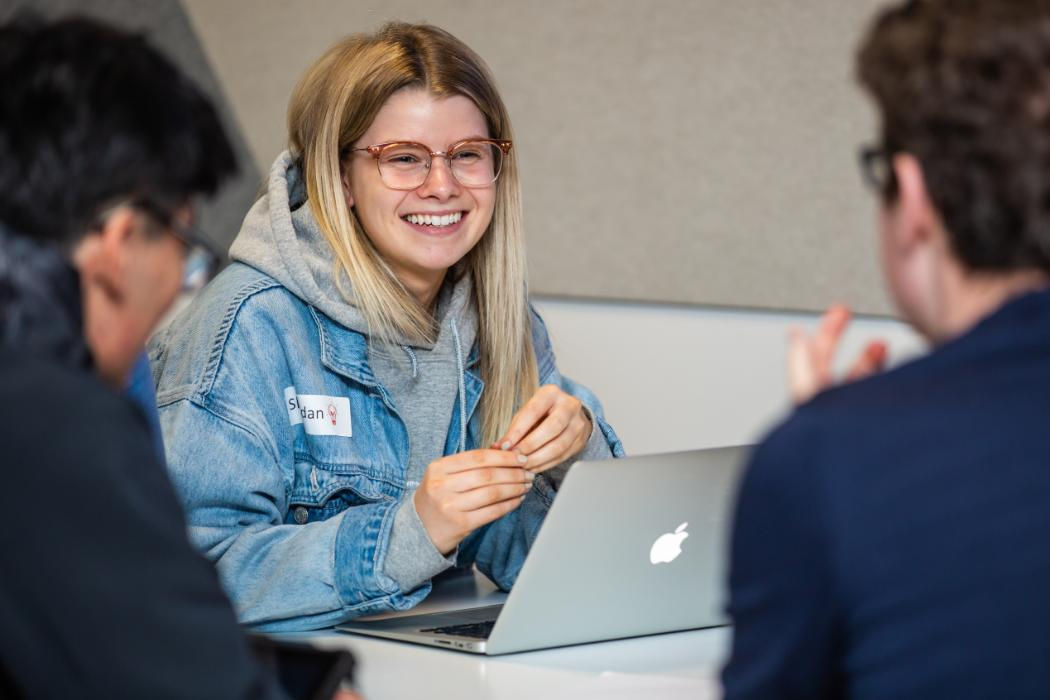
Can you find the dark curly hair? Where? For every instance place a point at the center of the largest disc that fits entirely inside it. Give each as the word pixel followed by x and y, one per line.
pixel 90 114
pixel 964 86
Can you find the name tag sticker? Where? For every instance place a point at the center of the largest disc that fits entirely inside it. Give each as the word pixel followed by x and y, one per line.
pixel 319 415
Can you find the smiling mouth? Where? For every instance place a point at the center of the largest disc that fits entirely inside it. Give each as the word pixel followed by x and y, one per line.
pixel 434 221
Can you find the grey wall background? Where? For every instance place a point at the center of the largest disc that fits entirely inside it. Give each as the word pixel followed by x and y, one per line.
pixel 695 151
pixel 685 151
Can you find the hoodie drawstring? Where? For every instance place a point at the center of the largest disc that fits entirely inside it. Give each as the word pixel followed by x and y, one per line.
pixel 462 389
pixel 412 356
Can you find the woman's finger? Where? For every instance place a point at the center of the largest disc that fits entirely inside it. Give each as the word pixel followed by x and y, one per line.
pixel 556 423
pixel 555 452
pixel 480 459
pixel 484 516
pixel 534 410
pixel 487 495
pixel 471 479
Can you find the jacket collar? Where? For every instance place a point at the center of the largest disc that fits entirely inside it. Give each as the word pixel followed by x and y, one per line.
pixel 345 352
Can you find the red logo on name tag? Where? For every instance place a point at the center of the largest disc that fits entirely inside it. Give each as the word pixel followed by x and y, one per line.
pixel 332 413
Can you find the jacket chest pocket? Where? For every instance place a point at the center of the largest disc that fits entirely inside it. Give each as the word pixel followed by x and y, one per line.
pixel 323 488
pixel 334 472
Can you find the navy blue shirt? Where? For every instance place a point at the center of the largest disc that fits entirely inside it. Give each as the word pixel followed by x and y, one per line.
pixel 892 537
pixel 141 392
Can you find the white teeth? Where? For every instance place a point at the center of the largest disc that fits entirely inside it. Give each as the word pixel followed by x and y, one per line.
pixel 428 220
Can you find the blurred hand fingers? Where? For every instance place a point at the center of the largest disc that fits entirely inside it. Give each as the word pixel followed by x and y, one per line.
pixel 802 378
pixel 871 360
pixel 826 340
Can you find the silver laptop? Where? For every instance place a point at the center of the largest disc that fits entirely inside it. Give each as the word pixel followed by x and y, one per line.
pixel 631 547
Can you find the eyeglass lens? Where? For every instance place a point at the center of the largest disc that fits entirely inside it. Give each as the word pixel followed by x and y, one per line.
pixel 197 269
pixel 473 164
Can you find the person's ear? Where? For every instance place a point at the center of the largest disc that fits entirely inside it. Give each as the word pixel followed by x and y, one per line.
pixel 916 214
pixel 102 257
pixel 347 192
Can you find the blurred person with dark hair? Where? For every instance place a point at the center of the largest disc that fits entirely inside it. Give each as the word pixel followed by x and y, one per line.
pixel 892 537
pixel 103 147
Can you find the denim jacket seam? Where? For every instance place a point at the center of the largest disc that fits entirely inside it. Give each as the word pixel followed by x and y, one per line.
pixel 379 603
pixel 323 495
pixel 339 470
pixel 382 544
pixel 326 359
pixel 216 408
pixel 610 436
pixel 546 363
pixel 218 347
pixel 389 508
pixel 545 490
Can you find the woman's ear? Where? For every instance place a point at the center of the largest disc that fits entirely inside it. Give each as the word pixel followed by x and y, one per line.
pixel 345 177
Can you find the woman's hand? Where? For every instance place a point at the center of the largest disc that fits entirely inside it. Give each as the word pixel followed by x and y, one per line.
pixel 549 429
pixel 810 357
pixel 464 491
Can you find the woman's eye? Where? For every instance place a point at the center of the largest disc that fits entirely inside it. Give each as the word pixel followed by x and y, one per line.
pixel 403 159
pixel 468 155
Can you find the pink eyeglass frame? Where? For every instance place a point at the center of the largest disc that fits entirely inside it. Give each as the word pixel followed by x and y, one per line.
pixel 376 150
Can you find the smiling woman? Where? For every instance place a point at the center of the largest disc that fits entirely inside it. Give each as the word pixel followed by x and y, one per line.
pixel 417 211
pixel 365 398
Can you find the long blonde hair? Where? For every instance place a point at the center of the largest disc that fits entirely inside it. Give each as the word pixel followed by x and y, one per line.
pixel 333 105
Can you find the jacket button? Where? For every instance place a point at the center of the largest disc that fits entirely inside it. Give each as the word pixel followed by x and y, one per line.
pixel 301 515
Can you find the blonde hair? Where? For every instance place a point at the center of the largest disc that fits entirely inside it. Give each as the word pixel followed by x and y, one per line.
pixel 333 105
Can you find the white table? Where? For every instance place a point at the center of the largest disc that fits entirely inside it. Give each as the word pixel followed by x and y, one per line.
pixel 662 667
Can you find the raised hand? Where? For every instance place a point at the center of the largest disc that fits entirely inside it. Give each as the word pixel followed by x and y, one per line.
pixel 810 357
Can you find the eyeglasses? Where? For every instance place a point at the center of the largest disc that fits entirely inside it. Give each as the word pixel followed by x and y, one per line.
pixel 200 261
pixel 405 165
pixel 876 168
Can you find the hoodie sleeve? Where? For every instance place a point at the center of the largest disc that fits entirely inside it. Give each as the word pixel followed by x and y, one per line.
pixel 412 559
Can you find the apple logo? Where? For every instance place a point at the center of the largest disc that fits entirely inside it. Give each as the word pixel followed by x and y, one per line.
pixel 668 546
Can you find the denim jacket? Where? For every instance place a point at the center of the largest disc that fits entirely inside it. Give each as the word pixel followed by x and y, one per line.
pixel 297 523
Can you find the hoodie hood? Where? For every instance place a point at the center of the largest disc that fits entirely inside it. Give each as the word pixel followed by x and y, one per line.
pixel 281 238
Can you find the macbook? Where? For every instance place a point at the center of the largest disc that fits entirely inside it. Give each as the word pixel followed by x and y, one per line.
pixel 631 547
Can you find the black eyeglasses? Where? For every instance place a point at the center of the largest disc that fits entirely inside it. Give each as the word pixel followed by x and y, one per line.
pixel 201 261
pixel 876 168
